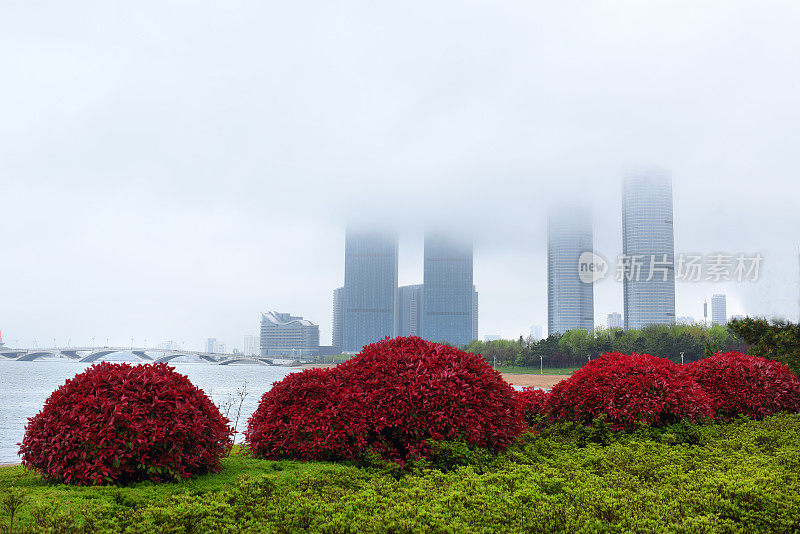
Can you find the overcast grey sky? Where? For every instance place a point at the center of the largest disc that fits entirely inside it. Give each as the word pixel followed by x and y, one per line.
pixel 172 169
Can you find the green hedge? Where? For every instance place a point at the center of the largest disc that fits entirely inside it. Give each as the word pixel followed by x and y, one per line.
pixel 738 477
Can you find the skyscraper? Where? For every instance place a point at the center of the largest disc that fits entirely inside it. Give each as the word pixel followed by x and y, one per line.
pixel 570 300
pixel 370 288
pixel 338 317
pixel 474 313
pixel 409 321
pixel 648 249
pixel 614 320
pixel 719 312
pixel 448 290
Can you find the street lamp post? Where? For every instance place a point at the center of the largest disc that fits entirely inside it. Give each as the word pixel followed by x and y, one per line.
pixel 541 365
pixel 681 357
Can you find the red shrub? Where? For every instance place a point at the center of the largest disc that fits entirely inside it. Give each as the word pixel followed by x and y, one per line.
pixel 533 403
pixel 305 417
pixel 747 385
pixel 631 390
pixel 390 399
pixel 117 423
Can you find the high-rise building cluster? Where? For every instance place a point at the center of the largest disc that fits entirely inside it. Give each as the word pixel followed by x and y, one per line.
pixel 444 307
pixel 647 264
pixel 371 306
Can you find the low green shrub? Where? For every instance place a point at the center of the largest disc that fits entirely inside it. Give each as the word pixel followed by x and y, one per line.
pixel 734 477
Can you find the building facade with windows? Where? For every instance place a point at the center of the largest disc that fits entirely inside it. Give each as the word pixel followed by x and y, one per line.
pixel 615 320
pixel 648 249
pixel 719 310
pixel 570 300
pixel 214 346
pixel 474 313
pixel 448 292
pixel 283 334
pixel 338 318
pixel 369 295
pixel 410 310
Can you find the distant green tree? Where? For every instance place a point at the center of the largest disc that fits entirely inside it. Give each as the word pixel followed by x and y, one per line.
pixel 777 340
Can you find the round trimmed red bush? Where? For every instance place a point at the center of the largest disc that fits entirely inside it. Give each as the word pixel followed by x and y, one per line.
pixel 740 384
pixel 305 417
pixel 631 390
pixel 533 403
pixel 116 423
pixel 390 399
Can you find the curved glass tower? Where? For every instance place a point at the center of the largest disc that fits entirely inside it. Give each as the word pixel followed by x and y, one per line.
pixel 648 248
pixel 570 301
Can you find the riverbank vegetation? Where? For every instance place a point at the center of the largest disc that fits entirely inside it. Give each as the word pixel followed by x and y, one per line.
pixel 576 347
pixel 775 340
pixel 414 436
pixel 742 476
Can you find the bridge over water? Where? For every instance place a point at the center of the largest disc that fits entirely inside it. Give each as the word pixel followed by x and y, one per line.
pixel 152 355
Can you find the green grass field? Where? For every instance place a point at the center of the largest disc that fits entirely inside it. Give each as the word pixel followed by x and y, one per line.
pixel 738 477
pixel 535 370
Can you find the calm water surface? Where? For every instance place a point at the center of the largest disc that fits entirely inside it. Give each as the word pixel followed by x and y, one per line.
pixel 24 386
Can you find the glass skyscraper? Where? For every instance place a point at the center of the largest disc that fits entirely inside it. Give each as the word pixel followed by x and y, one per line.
pixel 570 301
pixel 648 249
pixel 410 311
pixel 448 291
pixel 369 295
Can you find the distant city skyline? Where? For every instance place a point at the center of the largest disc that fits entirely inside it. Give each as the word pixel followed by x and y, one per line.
pixel 166 181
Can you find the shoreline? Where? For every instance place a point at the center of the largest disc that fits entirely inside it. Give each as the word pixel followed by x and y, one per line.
pixel 515 379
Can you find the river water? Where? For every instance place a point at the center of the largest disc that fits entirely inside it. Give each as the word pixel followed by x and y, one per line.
pixel 24 386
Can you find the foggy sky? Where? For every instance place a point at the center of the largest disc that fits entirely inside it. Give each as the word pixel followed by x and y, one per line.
pixel 172 169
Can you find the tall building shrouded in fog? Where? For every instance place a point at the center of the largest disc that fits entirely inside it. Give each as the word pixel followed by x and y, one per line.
pixel 719 312
pixel 448 294
pixel 369 295
pixel 648 249
pixel 570 300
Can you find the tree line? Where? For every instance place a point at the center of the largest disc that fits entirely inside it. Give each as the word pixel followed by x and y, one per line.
pixel 576 347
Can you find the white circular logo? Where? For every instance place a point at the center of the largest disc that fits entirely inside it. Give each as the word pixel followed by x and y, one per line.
pixel 591 267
